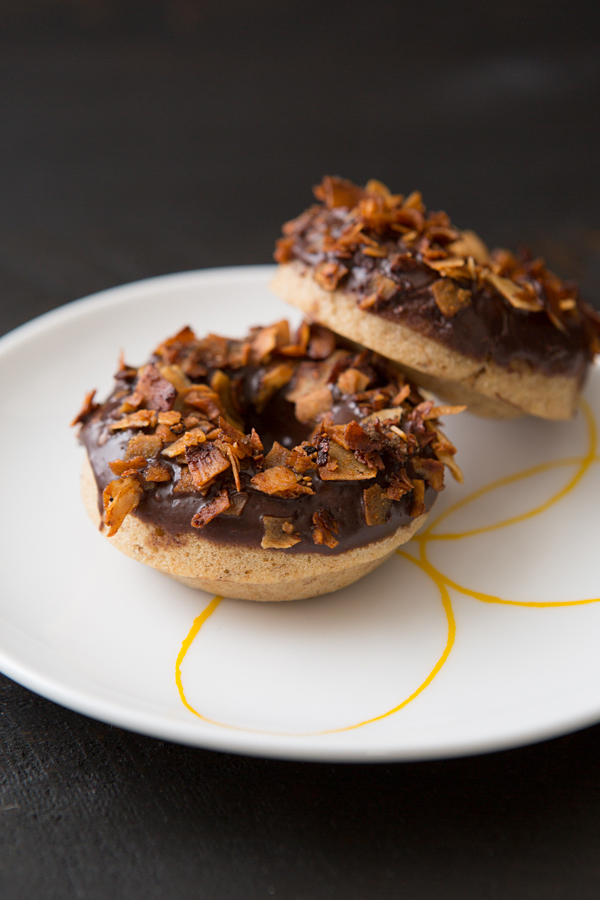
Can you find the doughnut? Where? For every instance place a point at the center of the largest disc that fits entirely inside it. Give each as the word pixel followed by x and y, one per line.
pixel 498 333
pixel 274 467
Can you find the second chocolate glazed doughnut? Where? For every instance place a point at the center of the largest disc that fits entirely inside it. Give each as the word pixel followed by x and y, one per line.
pixel 502 334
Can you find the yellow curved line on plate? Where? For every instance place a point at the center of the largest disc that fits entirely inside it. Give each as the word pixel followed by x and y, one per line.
pixel 198 623
pixel 441 580
pixel 201 619
pixel 447 604
pixel 584 463
pixel 491 598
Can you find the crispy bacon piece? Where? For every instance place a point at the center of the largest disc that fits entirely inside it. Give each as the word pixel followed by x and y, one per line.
pixel 324 528
pixel 279 533
pixel 213 508
pixel 120 497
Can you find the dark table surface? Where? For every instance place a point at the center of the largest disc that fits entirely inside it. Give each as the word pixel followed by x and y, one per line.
pixel 144 138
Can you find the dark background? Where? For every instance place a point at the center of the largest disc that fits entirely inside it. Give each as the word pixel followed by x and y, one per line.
pixel 141 137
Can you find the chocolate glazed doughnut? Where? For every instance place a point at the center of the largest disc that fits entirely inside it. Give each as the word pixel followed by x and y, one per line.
pixel 499 333
pixel 270 468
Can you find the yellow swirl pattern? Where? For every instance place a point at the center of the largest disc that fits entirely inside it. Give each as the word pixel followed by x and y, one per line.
pixel 430 534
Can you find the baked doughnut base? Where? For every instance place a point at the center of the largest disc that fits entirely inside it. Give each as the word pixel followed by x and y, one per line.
pixel 484 387
pixel 242 573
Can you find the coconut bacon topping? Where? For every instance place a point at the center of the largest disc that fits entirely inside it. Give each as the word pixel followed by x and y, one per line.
pixel 182 420
pixel 389 249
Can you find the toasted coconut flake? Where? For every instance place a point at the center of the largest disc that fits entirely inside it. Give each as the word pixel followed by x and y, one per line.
pixel 399 485
pixel 237 502
pixel 336 192
pixel 300 461
pixel 278 535
pixel 393 414
pixel 185 336
pixel 324 528
pixel 515 293
pixel 277 456
pixel 235 466
pixel 215 506
pixel 377 505
pixel 185 483
pixel 402 395
pixel 157 472
pixel 120 466
pixel 437 411
pixel 449 297
pixel 189 439
pixel 356 438
pixel 470 244
pixel 143 418
pixel 221 384
pixel 329 274
pixel 431 470
pixel 120 497
pixel 155 390
pixel 177 377
pixel 353 381
pixel 279 481
pixel 207 401
pixel 169 418
pixel 418 504
pixel 310 406
pixel 205 462
pixel 87 409
pixel 267 339
pixel 342 465
pixel 271 381
pixel 166 435
pixel 321 344
pixel 147 445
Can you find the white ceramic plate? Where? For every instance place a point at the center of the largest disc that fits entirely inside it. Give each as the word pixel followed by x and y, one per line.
pixel 482 635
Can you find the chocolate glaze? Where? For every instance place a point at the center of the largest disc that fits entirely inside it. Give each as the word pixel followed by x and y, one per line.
pixel 171 512
pixel 489 328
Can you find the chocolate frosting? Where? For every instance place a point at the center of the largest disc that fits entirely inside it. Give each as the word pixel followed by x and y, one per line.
pixel 488 328
pixel 172 512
